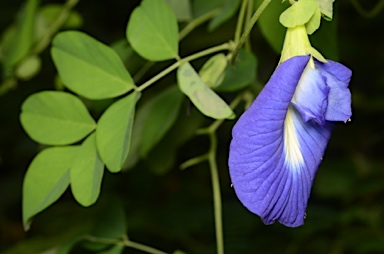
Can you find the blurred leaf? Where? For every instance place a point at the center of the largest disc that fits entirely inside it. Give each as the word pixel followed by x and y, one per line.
pixel 116 249
pixel 152 31
pixel 55 118
pixel 88 67
pixel 206 100
pixel 87 173
pixel 50 12
pixel 179 252
pixel 23 38
pixel 298 13
pixel 240 74
pixel 212 72
pixel 28 68
pixel 201 7
pixel 158 115
pixel 181 8
pixel 68 246
pixel 272 30
pixel 163 157
pixel 111 224
pixel 132 61
pixel 46 180
pixel 113 132
pixel 227 11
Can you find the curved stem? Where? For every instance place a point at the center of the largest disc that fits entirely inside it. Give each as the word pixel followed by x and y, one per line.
pixel 240 20
pixel 174 66
pixel 142 247
pixel 124 242
pixel 216 193
pixel 54 28
pixel 371 13
pixel 197 22
pixel 249 27
pixel 248 16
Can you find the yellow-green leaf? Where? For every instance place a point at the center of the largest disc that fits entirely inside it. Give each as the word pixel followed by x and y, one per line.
pixel 204 98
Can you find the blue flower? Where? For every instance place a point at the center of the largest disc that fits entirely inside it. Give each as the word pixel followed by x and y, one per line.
pixel 279 141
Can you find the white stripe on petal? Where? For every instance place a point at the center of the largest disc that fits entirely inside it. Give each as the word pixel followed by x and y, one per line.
pixel 293 156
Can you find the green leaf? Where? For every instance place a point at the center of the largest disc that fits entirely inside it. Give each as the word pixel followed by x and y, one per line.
pixel 152 31
pixel 55 118
pixel 206 100
pixel 113 132
pixel 269 24
pixel 89 67
pixel 239 75
pixel 23 38
pixel 227 11
pixel 299 13
pixel 314 23
pixel 158 115
pixel 28 68
pixel 87 173
pixel 46 180
pixel 212 72
pixel 181 8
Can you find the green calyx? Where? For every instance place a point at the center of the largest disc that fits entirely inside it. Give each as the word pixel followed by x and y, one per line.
pixel 302 12
pixel 296 43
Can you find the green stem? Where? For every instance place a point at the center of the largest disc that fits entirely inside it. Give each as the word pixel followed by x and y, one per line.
pixel 140 73
pixel 197 22
pixel 124 242
pixel 240 20
pixel 371 13
pixel 248 29
pixel 216 193
pixel 54 28
pixel 211 132
pixel 248 18
pixel 142 247
pixel 182 34
pixel 194 161
pixel 174 66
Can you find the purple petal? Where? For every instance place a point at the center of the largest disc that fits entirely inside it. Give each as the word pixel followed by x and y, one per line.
pixel 274 153
pixel 337 78
pixel 311 94
pixel 338 70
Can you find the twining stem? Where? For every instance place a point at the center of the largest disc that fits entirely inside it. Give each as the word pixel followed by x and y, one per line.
pixel 54 28
pixel 371 13
pixel 216 193
pixel 225 46
pixel 197 22
pixel 125 242
pixel 248 29
pixel 182 34
pixel 211 156
pixel 240 20
pixel 248 16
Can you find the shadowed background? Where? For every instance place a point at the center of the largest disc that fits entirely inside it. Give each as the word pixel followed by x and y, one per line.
pixel 172 209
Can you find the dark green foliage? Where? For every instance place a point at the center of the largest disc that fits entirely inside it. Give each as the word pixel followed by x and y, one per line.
pixel 112 118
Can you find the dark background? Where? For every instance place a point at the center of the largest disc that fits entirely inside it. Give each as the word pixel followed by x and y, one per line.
pixel 173 209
